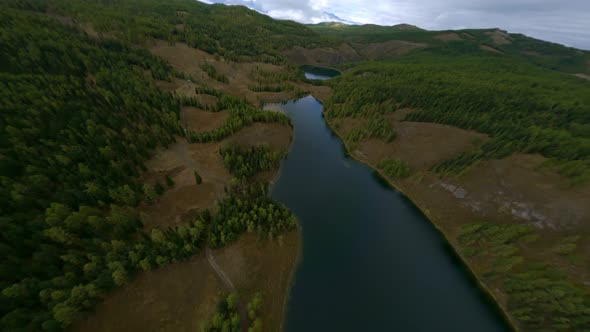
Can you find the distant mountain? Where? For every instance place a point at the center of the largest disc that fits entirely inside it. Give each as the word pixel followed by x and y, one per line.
pixel 500 42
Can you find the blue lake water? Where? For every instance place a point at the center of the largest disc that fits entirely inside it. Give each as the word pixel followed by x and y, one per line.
pixel 370 260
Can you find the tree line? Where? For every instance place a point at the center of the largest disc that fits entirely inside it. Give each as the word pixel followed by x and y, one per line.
pixel 232 32
pixel 241 114
pixel 246 162
pixel 524 108
pixel 227 318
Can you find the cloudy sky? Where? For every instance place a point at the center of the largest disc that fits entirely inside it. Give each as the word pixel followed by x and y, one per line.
pixel 563 21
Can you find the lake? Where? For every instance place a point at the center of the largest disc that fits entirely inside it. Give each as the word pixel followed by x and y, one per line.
pixel 319 73
pixel 370 260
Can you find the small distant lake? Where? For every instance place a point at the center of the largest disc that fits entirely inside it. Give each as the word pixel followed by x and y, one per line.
pixel 319 73
pixel 370 261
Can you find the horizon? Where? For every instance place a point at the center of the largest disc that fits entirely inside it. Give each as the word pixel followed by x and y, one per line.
pixel 545 19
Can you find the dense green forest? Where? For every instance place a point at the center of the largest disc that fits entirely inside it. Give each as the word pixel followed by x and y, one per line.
pixel 80 116
pixel 247 206
pixel 539 295
pixel 246 162
pixel 521 106
pixel 375 127
pixel 233 32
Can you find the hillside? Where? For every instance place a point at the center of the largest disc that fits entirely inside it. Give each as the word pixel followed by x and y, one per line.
pixel 512 200
pixel 131 140
pixel 549 55
pixel 100 181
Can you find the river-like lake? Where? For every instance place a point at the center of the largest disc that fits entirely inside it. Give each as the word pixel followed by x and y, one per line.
pixel 370 260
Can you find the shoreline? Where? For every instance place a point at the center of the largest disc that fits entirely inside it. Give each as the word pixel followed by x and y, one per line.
pixel 486 291
pixel 297 230
pixel 511 324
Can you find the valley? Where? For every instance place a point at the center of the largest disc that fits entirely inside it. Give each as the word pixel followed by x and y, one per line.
pixel 208 184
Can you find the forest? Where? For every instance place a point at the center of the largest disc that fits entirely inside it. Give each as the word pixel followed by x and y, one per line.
pixel 80 116
pixel 242 114
pixel 539 52
pixel 246 162
pixel 522 107
pixel 539 295
pixel 233 32
pixel 247 206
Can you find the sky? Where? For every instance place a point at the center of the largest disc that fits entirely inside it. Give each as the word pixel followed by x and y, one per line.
pixel 563 21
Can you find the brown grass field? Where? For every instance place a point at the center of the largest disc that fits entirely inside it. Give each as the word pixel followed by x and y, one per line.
pixel 515 189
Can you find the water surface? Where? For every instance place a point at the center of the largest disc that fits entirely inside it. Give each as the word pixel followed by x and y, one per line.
pixel 370 260
pixel 311 76
pixel 319 73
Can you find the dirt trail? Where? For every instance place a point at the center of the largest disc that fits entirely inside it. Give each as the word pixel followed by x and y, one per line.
pixel 230 288
pixel 190 163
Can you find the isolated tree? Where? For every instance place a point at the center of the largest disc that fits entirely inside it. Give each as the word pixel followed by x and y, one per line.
pixel 169 181
pixel 149 192
pixel 198 178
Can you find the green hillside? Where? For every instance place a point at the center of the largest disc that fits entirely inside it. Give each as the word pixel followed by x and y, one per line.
pixel 549 55
pixel 521 106
pixel 80 117
pixel 81 114
pixel 234 32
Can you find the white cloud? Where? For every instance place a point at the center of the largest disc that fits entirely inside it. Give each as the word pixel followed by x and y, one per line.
pixel 566 22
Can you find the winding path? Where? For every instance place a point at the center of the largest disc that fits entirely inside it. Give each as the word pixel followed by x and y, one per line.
pixel 230 288
pixel 224 278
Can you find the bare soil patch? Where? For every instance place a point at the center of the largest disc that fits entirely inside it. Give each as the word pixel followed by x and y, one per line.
pixel 276 136
pixel 178 86
pixel 180 56
pixel 490 49
pixel 422 145
pixel 388 49
pixel 178 205
pixel 266 266
pixel 499 37
pixel 207 100
pixel 178 297
pixel 322 56
pixel 189 60
pixel 209 164
pixel 451 36
pixel 519 188
pixel 584 76
pixel 179 161
pixel 202 120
